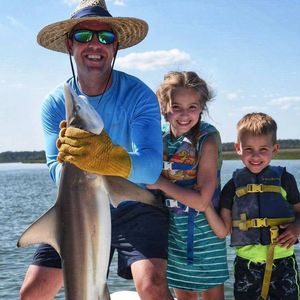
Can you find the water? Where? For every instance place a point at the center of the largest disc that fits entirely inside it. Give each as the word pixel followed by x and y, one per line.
pixel 26 191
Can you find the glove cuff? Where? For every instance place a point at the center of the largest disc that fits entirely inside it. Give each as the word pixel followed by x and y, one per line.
pixel 119 162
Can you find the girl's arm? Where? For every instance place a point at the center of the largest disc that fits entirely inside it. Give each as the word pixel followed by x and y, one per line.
pixel 198 199
pixel 220 224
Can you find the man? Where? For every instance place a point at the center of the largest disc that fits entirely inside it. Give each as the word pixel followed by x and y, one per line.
pixel 130 147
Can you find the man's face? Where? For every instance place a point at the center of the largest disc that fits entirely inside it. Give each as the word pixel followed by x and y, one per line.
pixel 92 57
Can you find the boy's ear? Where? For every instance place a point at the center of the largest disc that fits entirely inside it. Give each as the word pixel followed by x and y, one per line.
pixel 276 147
pixel 238 149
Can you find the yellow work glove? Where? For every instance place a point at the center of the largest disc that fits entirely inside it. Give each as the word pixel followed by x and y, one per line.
pixel 92 153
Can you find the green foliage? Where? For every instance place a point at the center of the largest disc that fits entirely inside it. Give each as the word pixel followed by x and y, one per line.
pixel 289 149
pixel 23 156
pixel 282 154
pixel 284 144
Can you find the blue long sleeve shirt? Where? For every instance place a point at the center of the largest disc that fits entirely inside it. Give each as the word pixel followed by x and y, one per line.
pixel 131 116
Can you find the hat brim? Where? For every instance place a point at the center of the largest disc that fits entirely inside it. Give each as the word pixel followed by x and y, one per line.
pixel 129 32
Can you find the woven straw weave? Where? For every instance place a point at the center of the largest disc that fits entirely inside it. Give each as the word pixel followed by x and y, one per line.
pixel 129 31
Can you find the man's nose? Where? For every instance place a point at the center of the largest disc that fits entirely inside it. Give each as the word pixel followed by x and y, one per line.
pixel 94 40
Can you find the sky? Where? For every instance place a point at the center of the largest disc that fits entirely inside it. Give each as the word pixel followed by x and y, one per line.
pixel 248 51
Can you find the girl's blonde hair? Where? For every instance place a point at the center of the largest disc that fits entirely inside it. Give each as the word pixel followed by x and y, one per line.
pixel 189 80
pixel 257 124
pixel 184 79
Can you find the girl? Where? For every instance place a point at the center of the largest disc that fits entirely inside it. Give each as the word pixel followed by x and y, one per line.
pixel 190 184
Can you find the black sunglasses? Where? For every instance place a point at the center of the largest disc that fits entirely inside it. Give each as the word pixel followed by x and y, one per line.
pixel 86 35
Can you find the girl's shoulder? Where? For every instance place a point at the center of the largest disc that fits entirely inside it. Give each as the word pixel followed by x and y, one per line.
pixel 209 134
pixel 207 128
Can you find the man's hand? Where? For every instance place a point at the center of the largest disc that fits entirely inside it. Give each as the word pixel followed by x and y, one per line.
pixel 92 153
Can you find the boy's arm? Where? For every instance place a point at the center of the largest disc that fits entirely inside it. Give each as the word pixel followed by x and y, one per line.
pixel 292 231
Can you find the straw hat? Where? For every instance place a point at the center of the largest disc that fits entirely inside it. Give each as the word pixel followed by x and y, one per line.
pixel 129 31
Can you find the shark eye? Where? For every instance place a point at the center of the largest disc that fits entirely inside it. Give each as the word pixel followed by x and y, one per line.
pixel 78 107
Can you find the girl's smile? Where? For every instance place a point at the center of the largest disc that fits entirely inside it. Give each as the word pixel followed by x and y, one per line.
pixel 183 111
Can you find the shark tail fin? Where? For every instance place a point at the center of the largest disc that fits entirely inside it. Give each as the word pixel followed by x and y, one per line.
pixel 43 231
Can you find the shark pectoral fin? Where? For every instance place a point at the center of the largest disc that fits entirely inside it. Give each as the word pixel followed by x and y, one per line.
pixel 121 190
pixel 43 231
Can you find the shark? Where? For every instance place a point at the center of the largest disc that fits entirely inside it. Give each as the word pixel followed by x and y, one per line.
pixel 78 226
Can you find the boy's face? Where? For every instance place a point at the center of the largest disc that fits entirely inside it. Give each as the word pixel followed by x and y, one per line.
pixel 256 151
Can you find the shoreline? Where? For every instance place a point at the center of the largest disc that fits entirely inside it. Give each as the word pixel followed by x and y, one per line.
pixel 288 154
pixel 28 157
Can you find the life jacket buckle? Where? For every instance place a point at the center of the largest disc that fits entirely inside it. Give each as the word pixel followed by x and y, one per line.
pixel 171 203
pixel 254 188
pixel 274 231
pixel 244 224
pixel 259 222
pixel 167 165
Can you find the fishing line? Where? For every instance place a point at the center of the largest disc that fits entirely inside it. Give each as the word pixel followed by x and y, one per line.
pixel 112 66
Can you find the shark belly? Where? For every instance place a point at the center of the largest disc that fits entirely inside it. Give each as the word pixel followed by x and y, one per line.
pixel 85 234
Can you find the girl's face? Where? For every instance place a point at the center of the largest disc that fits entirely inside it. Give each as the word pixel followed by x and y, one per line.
pixel 183 111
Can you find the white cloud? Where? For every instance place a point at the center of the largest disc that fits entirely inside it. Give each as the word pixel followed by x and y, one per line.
pixel 285 102
pixel 153 60
pixel 14 22
pixel 71 2
pixel 115 2
pixel 232 96
pixel 252 108
pixel 119 2
pixel 271 95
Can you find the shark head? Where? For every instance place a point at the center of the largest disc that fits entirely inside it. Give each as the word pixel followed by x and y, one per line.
pixel 80 113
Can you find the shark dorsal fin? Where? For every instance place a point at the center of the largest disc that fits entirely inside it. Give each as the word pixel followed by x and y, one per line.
pixel 43 231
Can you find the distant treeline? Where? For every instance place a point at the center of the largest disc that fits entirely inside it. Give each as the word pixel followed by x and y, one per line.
pixel 289 149
pixel 284 144
pixel 23 156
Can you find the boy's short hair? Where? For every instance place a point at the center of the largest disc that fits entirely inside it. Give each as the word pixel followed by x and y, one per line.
pixel 257 124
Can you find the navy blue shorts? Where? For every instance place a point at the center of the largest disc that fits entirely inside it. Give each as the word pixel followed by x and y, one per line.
pixel 249 277
pixel 139 231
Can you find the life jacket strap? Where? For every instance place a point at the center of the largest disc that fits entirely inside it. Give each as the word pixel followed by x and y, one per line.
pixel 170 165
pixel 174 204
pixel 257 188
pixel 244 224
pixel 268 272
pixel 191 213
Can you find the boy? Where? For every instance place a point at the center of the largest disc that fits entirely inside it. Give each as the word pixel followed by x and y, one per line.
pixel 261 205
